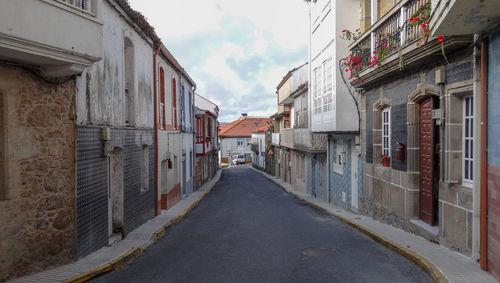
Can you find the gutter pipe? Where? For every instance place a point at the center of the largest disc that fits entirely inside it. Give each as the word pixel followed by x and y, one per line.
pixel 155 75
pixel 483 258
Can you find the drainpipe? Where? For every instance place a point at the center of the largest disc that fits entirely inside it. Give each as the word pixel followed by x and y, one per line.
pixel 484 170
pixel 155 88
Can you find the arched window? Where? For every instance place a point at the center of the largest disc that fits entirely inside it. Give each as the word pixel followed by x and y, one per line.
pixel 174 102
pixel 128 53
pixel 162 99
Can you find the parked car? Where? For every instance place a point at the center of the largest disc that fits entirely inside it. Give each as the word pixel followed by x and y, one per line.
pixel 239 159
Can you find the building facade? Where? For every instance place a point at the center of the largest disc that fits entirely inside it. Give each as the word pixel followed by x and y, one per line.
pixel 115 160
pixel 207 141
pixel 333 107
pixel 235 137
pixel 38 129
pixel 258 147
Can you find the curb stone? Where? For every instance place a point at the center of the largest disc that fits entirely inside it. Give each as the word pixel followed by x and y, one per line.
pixel 433 271
pixel 133 253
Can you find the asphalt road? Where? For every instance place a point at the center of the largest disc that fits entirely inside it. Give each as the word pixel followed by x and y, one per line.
pixel 249 230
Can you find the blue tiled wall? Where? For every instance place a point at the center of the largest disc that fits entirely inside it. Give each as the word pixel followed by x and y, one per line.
pixel 494 99
pixel 340 183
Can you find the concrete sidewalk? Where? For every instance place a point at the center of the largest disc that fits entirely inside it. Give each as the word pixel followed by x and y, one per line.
pixel 442 264
pixel 124 251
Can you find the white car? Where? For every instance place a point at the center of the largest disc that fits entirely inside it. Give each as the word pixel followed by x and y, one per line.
pixel 239 159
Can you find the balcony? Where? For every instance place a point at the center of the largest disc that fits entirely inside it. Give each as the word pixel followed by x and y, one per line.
pixel 287 138
pixel 399 41
pixel 59 37
pixel 453 17
pixel 305 140
pixel 275 139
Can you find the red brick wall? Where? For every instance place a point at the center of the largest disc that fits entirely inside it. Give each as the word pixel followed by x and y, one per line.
pixel 494 221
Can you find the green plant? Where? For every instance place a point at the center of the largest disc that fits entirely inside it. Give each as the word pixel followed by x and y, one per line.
pixel 384 158
pixel 421 18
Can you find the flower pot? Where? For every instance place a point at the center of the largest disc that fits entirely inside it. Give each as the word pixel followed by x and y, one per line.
pixel 386 163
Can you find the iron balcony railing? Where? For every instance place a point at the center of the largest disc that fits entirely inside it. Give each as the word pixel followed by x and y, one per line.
pixel 388 34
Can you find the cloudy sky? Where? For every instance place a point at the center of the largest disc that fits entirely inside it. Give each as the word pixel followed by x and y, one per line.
pixel 236 51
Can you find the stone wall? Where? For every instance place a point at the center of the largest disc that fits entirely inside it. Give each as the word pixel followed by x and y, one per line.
pixel 38 208
pixel 391 194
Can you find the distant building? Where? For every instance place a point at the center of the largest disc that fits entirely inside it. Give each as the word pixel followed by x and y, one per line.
pixel 206 140
pixel 235 137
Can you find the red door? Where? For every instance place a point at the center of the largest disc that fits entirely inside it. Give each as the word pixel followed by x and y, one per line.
pixel 427 162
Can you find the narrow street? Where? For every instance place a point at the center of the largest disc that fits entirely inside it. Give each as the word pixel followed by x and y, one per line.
pixel 249 230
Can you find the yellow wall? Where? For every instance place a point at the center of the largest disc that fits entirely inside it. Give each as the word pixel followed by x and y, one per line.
pixel 284 90
pixel 365 22
pixel 383 7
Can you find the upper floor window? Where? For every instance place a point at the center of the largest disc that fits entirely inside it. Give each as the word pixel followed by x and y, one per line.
pixel 327 85
pixel 128 53
pixel 317 90
pixel 468 140
pixel 386 131
pixel 240 142
pixel 162 99
pixel 174 102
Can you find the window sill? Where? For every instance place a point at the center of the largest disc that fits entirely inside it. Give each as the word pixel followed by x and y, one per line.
pixel 338 169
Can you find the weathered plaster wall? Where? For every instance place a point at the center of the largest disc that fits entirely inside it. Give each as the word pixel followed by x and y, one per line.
pixel 188 156
pixel 229 148
pixel 101 88
pixel 38 214
pixel 169 147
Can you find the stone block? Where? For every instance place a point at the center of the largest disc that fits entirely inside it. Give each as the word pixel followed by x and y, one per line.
pixel 413 157
pixel 397 200
pixel 410 180
pixel 464 198
pixel 377 191
pixel 386 194
pixel 383 173
pixel 455 166
pixel 454 227
pixel 447 192
pixel 454 109
pixel 377 137
pixel 454 137
pixel 367 169
pixel 367 186
pixel 396 177
pixel 412 204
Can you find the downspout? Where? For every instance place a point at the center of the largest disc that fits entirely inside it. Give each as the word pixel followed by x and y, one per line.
pixel 484 170
pixel 155 88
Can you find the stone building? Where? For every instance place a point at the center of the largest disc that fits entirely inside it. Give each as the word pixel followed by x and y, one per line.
pixel 334 110
pixel 38 129
pixel 115 145
pixel 207 140
pixel 420 130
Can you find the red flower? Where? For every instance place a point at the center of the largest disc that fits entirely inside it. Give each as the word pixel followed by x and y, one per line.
pixel 423 25
pixel 440 38
pixel 381 155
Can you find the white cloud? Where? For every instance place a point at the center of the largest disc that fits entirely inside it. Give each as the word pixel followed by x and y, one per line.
pixel 236 51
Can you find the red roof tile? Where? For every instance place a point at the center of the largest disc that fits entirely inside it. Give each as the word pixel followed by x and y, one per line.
pixel 244 127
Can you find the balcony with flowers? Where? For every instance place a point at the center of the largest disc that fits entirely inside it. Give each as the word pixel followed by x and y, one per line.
pixel 399 41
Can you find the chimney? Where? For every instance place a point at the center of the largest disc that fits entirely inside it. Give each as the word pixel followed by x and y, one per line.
pixel 244 115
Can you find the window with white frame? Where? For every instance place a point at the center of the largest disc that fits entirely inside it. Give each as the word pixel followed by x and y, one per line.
pixel 240 142
pixel 468 140
pixel 317 90
pixel 386 131
pixel 340 156
pixel 327 85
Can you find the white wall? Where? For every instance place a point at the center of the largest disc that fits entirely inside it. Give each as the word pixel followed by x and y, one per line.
pixel 101 88
pixel 229 147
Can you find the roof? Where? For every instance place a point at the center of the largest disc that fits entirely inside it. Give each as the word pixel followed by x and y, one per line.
pixel 283 80
pixel 244 127
pixel 139 20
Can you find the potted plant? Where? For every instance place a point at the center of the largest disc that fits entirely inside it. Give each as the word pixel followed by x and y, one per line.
pixel 385 160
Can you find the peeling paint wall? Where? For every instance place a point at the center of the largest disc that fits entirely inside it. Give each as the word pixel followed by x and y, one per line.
pixel 101 88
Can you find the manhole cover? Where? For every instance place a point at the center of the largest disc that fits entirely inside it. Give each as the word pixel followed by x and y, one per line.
pixel 317 251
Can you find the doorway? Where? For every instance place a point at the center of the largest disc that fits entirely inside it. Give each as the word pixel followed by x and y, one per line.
pixel 429 165
pixel 115 192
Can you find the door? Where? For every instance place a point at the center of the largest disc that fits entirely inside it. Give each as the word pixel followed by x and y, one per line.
pixel 427 162
pixel 115 192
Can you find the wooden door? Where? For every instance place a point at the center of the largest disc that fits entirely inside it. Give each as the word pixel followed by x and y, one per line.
pixel 427 162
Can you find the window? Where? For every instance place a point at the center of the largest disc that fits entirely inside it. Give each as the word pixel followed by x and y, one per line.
pixel 174 102
pixel 317 90
pixel 340 156
pixel 468 140
pixel 162 99
pixel 144 168
pixel 240 142
pixel 327 85
pixel 183 115
pixel 386 131
pixel 128 53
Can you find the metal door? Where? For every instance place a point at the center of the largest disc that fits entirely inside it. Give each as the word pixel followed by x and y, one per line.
pixel 427 162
